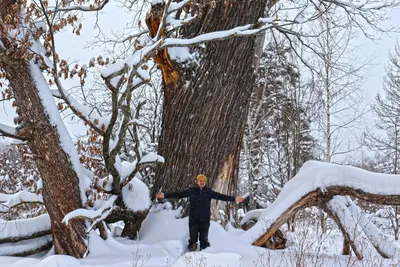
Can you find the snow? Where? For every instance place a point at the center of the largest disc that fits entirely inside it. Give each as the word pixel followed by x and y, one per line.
pixel 253 214
pixel 137 122
pixel 206 259
pixel 144 74
pixel 350 223
pixel 181 54
pixel 103 208
pixel 7 129
pixel 136 195
pixel 17 198
pixel 114 81
pixel 155 2
pixel 24 227
pixel 319 175
pixel 124 168
pixel 176 23
pixel 132 60
pixel 266 20
pixel 217 35
pixel 386 243
pixel 152 157
pixel 176 6
pixel 25 245
pixel 162 242
pixel 90 7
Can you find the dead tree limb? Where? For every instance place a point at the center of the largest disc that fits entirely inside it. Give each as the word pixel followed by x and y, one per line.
pixel 338 211
pixel 16 230
pixel 318 183
pixel 26 247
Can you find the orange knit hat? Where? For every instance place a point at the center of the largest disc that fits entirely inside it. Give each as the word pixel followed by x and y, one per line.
pixel 201 176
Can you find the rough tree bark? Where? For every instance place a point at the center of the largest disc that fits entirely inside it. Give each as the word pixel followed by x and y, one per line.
pixel 204 119
pixel 61 190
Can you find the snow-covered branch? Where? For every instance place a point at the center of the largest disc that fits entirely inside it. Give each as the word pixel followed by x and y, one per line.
pixel 104 208
pixel 8 202
pixel 26 247
pixel 79 110
pixel 147 160
pixel 23 229
pixel 366 6
pixel 89 8
pixel 250 29
pixel 317 183
pixel 142 55
pixel 9 131
pixel 348 224
pixel 384 244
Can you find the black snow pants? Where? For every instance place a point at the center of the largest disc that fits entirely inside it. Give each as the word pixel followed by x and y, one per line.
pixel 196 229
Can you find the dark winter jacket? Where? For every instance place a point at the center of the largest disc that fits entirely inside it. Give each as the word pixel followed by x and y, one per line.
pixel 200 201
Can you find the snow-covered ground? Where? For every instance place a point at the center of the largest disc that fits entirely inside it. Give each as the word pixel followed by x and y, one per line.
pixel 163 238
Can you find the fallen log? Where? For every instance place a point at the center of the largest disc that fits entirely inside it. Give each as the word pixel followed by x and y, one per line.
pixel 315 185
pixel 385 245
pixel 24 229
pixel 26 247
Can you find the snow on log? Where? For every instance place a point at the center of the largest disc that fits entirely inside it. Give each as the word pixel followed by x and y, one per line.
pixel 9 131
pixel 314 185
pixel 103 208
pixel 251 215
pixel 136 195
pixel 384 244
pixel 26 247
pixel 348 224
pixel 152 158
pixel 9 201
pixel 23 229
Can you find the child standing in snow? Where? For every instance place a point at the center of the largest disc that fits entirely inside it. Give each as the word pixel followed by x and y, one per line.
pixel 199 214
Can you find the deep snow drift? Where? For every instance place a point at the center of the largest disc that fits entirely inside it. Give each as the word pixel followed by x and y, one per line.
pixel 163 237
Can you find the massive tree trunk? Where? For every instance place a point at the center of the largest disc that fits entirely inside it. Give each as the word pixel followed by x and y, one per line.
pixel 61 190
pixel 204 119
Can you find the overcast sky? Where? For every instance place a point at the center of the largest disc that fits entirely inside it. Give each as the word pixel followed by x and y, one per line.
pixel 380 50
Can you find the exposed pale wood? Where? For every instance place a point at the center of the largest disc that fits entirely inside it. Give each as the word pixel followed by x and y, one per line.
pixel 311 199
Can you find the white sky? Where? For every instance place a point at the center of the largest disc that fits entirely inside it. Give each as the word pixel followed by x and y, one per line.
pixel 379 50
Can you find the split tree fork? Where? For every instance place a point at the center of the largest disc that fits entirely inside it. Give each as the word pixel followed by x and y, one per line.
pixel 199 212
